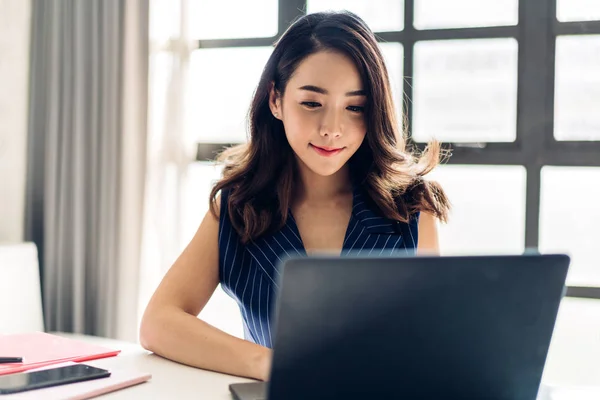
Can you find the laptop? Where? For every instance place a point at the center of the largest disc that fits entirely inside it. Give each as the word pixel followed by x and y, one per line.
pixel 475 327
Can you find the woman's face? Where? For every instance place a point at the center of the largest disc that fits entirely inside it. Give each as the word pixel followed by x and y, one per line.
pixel 322 111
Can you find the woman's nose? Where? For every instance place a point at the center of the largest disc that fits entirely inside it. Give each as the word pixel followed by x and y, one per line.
pixel 332 124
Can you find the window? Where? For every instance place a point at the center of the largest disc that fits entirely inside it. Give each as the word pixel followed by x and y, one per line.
pixel 488 210
pixel 465 90
pixel 214 19
pixel 380 15
pixel 578 10
pixel 215 113
pixel 436 14
pixel 393 54
pixel 577 97
pixel 479 81
pixel 574 352
pixel 570 219
pixel 510 86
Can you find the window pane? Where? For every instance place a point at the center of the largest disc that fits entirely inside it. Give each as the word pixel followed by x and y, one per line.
pixel 569 219
pixel 465 90
pixel 575 349
pixel 578 10
pixel 577 97
pixel 380 15
pixel 220 92
pixel 233 18
pixel 488 209
pixel 436 14
pixel 393 54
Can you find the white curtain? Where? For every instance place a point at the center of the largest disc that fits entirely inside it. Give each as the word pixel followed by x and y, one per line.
pixel 134 138
pixel 177 187
pixel 168 154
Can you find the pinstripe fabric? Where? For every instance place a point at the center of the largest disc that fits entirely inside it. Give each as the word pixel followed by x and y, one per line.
pixel 250 273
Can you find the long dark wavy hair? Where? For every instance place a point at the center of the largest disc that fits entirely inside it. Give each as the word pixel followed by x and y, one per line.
pixel 260 174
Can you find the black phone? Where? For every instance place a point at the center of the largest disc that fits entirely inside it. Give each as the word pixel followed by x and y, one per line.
pixel 21 382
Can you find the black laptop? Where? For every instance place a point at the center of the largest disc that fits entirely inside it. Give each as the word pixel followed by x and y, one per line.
pixel 475 327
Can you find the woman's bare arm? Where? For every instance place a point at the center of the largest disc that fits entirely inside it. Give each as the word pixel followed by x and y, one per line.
pixel 428 235
pixel 170 326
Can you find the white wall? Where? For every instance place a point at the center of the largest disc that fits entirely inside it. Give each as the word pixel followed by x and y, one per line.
pixel 15 16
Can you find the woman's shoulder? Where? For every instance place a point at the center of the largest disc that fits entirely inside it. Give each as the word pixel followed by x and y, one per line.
pixel 219 203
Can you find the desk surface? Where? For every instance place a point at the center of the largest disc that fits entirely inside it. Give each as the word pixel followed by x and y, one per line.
pixel 170 380
pixel 572 361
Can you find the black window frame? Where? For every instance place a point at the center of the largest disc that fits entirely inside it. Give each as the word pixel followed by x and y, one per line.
pixel 535 145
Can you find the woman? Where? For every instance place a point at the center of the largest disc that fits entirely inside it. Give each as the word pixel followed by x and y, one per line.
pixel 325 170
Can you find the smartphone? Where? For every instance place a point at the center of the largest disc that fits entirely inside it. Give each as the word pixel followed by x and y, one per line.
pixel 21 382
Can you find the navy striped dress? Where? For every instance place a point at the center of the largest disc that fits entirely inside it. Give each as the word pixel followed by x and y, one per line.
pixel 250 273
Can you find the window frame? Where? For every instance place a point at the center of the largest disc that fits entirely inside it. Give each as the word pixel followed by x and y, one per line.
pixel 535 145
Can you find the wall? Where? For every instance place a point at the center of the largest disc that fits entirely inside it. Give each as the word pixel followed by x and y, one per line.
pixel 15 17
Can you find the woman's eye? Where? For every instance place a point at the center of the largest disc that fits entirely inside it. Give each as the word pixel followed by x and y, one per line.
pixel 311 104
pixel 356 109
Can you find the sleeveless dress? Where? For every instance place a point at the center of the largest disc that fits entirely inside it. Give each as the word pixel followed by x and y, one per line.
pixel 250 273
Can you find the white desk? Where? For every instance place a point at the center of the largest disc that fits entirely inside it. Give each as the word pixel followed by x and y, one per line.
pixel 572 361
pixel 170 380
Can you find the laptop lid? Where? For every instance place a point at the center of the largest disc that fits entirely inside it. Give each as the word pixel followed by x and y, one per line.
pixel 415 327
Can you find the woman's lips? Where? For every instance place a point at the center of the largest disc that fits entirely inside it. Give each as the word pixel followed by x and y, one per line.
pixel 326 151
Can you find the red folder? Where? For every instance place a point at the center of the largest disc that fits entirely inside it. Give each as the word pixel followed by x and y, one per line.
pixel 40 349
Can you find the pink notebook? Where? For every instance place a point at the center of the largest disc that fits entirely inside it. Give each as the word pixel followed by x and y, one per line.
pixel 82 390
pixel 40 349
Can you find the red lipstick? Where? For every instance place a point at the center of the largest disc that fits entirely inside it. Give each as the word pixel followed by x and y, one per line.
pixel 326 150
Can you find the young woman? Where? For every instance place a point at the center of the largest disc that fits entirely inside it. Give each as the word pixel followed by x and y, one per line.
pixel 325 170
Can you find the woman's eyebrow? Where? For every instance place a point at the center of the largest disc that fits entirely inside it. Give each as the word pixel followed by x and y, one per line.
pixel 317 89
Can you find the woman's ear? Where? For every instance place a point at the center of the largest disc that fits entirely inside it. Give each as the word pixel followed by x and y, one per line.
pixel 275 102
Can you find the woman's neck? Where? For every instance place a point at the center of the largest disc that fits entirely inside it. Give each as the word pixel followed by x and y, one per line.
pixel 314 188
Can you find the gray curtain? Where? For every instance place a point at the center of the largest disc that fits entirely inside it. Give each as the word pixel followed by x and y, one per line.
pixel 87 141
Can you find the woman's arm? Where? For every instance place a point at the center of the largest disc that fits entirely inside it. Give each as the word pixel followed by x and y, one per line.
pixel 428 235
pixel 170 326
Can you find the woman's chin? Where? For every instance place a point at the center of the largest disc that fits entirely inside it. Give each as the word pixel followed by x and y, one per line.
pixel 324 170
pixel 321 166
